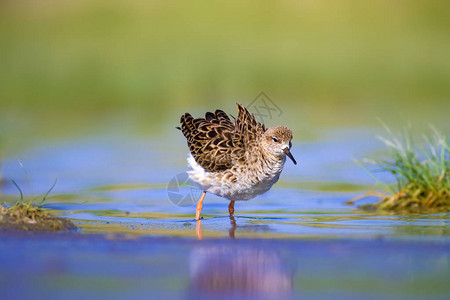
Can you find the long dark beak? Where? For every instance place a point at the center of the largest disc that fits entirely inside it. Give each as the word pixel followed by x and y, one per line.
pixel 288 153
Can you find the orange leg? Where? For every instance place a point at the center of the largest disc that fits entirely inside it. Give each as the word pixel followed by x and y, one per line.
pixel 231 208
pixel 199 206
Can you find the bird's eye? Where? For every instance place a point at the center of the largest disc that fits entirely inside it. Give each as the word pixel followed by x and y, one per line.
pixel 275 139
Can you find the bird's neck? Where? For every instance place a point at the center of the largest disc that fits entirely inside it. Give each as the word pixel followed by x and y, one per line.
pixel 268 165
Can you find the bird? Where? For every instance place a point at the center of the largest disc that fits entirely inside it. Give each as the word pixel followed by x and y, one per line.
pixel 236 160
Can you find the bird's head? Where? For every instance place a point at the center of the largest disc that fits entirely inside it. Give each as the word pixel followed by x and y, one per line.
pixel 277 140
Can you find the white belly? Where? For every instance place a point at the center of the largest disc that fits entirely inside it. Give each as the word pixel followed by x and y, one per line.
pixel 252 191
pixel 242 189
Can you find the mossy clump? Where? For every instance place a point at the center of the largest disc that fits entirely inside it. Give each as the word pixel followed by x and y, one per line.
pixel 28 217
pixel 422 174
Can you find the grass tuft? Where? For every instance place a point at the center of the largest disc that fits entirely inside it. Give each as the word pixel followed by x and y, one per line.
pixel 31 216
pixel 422 179
pixel 28 217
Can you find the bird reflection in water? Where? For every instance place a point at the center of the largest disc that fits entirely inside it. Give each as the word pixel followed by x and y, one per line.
pixel 231 232
pixel 237 270
pixel 198 229
pixel 233 227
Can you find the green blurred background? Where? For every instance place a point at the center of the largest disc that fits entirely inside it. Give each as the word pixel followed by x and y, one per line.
pixel 90 66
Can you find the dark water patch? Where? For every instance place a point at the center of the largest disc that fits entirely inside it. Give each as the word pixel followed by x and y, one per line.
pixel 117 267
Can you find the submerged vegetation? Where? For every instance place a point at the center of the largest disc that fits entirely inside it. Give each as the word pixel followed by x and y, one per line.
pixel 421 173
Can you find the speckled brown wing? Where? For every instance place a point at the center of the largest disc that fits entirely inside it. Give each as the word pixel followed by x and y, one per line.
pixel 213 140
pixel 247 126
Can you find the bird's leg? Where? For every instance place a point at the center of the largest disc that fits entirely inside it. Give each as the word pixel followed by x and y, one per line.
pixel 233 221
pixel 199 206
pixel 231 208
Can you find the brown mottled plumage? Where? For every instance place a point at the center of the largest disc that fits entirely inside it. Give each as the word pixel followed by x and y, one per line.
pixel 215 142
pixel 237 160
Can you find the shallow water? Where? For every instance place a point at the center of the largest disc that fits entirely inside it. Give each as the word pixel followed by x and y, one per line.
pixel 135 210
